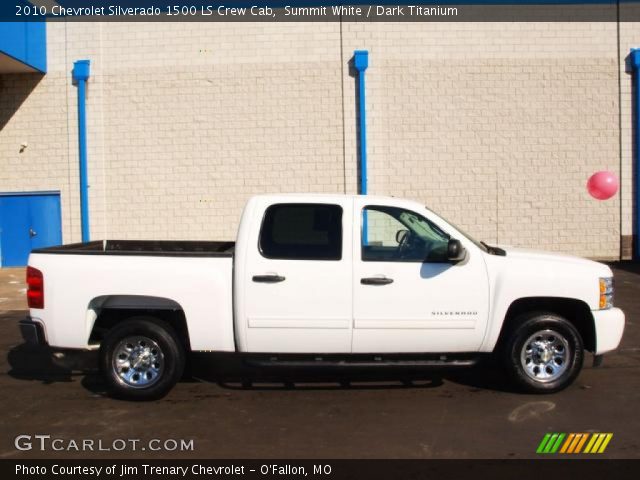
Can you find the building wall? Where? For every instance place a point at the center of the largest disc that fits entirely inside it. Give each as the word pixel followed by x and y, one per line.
pixel 495 126
pixel 629 38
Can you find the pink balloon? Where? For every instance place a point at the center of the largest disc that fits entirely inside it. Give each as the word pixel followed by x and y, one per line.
pixel 602 185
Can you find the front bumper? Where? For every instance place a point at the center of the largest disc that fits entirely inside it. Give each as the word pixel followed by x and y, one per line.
pixel 609 325
pixel 32 332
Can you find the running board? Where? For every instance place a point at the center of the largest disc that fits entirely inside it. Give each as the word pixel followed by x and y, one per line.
pixel 441 361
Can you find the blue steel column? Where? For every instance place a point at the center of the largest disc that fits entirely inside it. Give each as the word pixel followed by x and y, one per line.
pixel 635 63
pixel 361 62
pixel 81 73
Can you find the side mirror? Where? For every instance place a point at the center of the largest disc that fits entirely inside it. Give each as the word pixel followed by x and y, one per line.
pixel 455 251
pixel 401 235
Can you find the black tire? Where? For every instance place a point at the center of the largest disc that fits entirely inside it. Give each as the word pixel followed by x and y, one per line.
pixel 543 353
pixel 141 358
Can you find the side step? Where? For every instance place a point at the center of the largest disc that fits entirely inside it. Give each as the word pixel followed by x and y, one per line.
pixel 318 361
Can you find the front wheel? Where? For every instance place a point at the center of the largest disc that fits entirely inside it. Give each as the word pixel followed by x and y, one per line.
pixel 544 353
pixel 141 358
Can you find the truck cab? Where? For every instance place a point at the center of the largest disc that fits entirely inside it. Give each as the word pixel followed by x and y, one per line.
pixel 356 275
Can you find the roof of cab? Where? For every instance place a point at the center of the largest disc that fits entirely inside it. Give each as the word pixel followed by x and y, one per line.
pixel 327 196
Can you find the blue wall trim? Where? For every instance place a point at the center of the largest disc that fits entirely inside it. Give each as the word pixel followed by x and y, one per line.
pixel 361 63
pixel 635 63
pixel 80 74
pixel 27 193
pixel 25 42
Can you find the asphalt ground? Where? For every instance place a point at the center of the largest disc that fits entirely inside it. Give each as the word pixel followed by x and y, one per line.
pixel 247 413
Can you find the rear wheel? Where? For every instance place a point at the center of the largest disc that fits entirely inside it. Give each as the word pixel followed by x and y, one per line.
pixel 141 358
pixel 544 353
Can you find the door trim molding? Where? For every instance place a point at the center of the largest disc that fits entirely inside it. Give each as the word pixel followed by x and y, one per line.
pixel 306 323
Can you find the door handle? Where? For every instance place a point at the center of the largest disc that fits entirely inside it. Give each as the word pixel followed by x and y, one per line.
pixel 376 281
pixel 32 232
pixel 271 278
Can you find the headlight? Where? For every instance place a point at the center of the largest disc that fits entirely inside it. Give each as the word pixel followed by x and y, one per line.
pixel 606 293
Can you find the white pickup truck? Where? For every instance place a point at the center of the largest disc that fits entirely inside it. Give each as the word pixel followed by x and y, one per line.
pixel 329 280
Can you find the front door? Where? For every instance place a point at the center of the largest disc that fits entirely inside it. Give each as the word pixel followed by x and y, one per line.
pixel 27 222
pixel 298 279
pixel 407 296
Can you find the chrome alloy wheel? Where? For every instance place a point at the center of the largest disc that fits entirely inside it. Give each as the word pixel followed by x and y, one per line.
pixel 545 355
pixel 138 362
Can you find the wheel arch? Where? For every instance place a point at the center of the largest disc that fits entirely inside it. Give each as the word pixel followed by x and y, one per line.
pixel 577 312
pixel 107 311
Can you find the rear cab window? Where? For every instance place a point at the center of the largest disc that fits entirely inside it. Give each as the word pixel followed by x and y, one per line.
pixel 301 231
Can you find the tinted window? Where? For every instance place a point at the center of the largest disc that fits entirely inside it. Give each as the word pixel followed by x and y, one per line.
pixel 302 232
pixel 391 234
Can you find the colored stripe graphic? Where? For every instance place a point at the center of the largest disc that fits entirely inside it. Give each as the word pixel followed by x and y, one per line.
pixel 551 443
pixel 577 437
pixel 573 443
pixel 567 442
pixel 581 442
pixel 598 443
pixel 543 443
pixel 606 442
pixel 594 437
pixel 556 445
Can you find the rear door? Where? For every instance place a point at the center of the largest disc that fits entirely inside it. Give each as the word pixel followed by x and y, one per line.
pixel 298 279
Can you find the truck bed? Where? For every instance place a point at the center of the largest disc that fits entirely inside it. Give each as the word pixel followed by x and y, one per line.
pixel 159 248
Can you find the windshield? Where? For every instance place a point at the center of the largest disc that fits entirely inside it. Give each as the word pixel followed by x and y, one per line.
pixel 478 244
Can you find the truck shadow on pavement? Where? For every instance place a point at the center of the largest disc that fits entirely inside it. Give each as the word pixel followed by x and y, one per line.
pixel 356 380
pixel 36 363
pixel 231 373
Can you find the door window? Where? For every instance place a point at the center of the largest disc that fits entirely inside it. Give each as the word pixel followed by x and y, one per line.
pixel 303 231
pixel 391 234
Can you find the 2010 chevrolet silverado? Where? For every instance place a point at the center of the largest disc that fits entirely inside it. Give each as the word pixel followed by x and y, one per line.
pixel 323 280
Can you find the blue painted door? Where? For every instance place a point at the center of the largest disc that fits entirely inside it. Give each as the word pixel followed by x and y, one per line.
pixel 27 221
